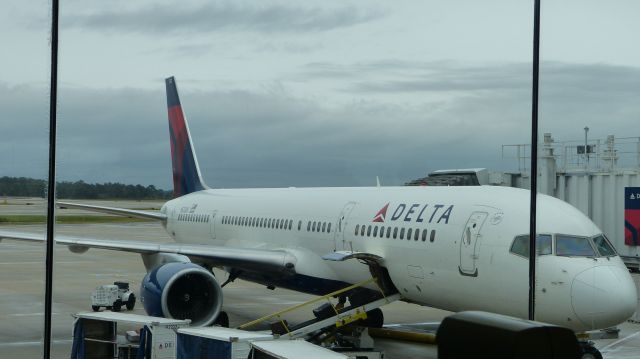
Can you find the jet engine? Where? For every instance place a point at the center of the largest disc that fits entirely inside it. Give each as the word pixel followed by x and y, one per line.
pixel 182 291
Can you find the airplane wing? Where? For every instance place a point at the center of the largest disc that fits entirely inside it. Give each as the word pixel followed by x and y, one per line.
pixel 242 258
pixel 116 211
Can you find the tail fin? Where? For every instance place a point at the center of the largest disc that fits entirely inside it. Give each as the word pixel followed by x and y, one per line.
pixel 186 172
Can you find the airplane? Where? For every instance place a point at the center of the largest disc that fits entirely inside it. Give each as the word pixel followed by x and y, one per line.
pixel 453 248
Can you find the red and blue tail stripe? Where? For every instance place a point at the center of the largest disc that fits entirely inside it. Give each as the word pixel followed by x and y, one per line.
pixel 186 174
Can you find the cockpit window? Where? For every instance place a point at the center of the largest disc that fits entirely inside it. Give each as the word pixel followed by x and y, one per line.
pixel 520 245
pixel 603 246
pixel 573 246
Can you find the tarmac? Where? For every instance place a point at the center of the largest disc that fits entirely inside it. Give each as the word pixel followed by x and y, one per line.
pixel 77 275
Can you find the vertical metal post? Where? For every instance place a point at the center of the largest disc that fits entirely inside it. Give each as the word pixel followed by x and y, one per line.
pixel 586 147
pixel 51 192
pixel 534 161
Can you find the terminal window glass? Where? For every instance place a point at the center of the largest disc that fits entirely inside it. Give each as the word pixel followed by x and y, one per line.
pixel 573 246
pixel 520 245
pixel 604 247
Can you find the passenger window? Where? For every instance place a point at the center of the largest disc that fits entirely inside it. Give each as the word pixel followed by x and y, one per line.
pixel 369 231
pixel 329 227
pixel 416 234
pixel 424 235
pixel 357 228
pixel 604 247
pixel 362 229
pixel 409 233
pixel 375 231
pixel 573 246
pixel 290 223
pixel 313 226
pixel 299 224
pixel 388 232
pixel 401 233
pixel 395 232
pixel 433 236
pixel 324 226
pixel 308 226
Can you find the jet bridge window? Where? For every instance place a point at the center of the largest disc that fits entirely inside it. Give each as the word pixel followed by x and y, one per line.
pixel 604 247
pixel 520 245
pixel 572 246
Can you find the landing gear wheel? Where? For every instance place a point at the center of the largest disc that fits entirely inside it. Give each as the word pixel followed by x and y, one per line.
pixel 96 308
pixel 131 302
pixel 588 351
pixel 222 320
pixel 375 319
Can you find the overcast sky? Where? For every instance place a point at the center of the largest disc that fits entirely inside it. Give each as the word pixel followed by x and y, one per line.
pixel 313 93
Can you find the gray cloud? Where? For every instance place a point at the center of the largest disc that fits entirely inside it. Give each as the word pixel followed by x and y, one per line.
pixel 274 139
pixel 210 17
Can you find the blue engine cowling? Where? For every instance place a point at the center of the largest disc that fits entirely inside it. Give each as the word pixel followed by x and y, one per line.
pixel 182 291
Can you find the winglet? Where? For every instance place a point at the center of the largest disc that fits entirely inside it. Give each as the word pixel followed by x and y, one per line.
pixel 186 172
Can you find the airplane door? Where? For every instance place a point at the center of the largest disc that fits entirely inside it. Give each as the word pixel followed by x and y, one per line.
pixel 339 241
pixel 469 244
pixel 213 224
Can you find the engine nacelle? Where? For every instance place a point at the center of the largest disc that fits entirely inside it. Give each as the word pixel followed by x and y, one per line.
pixel 182 291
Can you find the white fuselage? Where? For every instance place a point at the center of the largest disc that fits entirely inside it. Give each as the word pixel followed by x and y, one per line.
pixel 460 259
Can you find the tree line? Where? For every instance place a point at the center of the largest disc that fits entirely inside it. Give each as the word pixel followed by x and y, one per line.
pixel 29 187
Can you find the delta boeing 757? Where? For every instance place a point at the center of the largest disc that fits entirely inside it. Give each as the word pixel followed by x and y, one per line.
pixel 453 248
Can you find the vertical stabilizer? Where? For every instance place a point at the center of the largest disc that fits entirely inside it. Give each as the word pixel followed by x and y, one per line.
pixel 186 173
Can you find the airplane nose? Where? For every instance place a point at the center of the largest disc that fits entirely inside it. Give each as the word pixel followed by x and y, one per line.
pixel 603 296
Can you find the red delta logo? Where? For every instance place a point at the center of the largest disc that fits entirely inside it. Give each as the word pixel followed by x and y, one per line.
pixel 382 214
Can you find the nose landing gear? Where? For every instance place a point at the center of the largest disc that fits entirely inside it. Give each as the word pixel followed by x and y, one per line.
pixel 588 351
